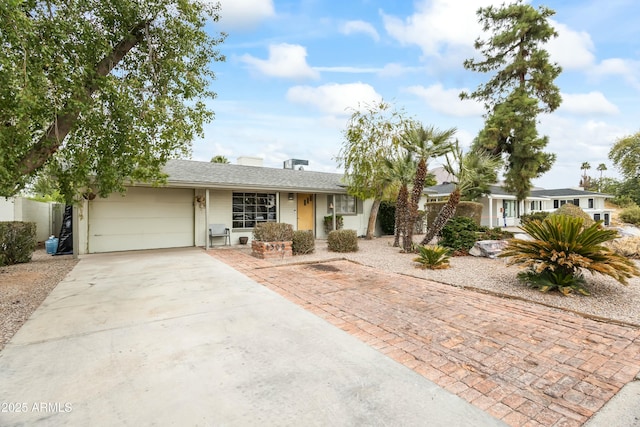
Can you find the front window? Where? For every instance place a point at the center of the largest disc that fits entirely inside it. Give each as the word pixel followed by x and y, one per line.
pixel 252 208
pixel 345 204
pixel 590 203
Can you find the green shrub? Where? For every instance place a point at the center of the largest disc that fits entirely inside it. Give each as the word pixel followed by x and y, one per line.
pixel 459 234
pixel 433 257
pixel 343 241
pixel 630 215
pixel 573 211
pixel 17 242
pixel 328 223
pixel 273 232
pixel 525 218
pixel 623 201
pixel 561 247
pixel 387 218
pixel 495 233
pixel 466 209
pixel 303 242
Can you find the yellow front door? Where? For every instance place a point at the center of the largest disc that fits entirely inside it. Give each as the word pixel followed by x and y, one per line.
pixel 305 211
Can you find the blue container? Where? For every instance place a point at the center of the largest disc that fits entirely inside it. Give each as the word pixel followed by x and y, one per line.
pixel 51 245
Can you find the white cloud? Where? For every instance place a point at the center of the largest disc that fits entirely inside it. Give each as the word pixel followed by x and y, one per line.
pixel 348 70
pixel 352 27
pixel 437 24
pixel 625 68
pixel 571 49
pixel 285 60
pixel 243 14
pixel 333 98
pixel 447 101
pixel 395 70
pixel 587 103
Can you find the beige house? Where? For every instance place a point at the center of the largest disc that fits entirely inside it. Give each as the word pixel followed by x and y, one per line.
pixel 197 194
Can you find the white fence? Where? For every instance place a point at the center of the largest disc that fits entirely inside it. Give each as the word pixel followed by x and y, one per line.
pixel 47 216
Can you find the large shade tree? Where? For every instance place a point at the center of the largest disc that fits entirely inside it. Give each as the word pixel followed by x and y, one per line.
pixel 625 155
pixel 101 92
pixel 521 88
pixel 371 137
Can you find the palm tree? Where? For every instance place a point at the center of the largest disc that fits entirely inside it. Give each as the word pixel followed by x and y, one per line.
pixel 220 159
pixel 425 143
pixel 400 172
pixel 585 179
pixel 474 171
pixel 601 167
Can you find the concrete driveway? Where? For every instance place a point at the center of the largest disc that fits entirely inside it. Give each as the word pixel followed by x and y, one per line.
pixel 177 337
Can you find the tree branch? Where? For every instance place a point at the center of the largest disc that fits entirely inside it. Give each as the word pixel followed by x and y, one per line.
pixel 62 124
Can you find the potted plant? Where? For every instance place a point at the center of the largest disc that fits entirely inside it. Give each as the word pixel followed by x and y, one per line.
pixel 272 240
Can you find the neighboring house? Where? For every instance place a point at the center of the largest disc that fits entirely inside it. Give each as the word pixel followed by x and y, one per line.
pixel 196 194
pixel 499 208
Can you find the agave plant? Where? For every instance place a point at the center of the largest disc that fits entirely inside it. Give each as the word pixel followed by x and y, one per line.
pixel 561 249
pixel 433 257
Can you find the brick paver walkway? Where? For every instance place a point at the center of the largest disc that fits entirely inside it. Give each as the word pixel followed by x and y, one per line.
pixel 524 363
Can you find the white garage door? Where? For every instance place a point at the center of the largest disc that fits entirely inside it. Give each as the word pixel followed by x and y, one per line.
pixel 145 218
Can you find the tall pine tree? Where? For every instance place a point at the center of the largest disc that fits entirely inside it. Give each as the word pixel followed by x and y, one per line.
pixel 521 89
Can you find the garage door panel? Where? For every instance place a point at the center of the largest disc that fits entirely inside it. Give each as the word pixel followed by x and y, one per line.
pixel 146 218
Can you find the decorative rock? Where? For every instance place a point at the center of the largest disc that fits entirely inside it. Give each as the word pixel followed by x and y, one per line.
pixel 488 248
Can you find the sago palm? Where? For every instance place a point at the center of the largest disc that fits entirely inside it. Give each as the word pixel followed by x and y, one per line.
pixel 561 249
pixel 433 257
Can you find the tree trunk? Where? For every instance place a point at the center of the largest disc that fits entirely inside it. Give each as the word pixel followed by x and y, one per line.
pixel 401 213
pixel 412 211
pixel 62 124
pixel 446 213
pixel 373 216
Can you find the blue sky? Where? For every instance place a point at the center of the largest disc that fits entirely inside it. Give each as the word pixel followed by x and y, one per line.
pixel 294 68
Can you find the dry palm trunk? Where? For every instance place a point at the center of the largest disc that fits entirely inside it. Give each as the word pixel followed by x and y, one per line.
pixel 401 214
pixel 412 211
pixel 445 214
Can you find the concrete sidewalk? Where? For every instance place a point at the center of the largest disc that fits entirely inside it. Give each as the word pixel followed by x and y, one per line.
pixel 179 338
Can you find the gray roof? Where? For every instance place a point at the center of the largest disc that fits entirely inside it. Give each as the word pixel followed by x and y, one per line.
pixel 195 174
pixel 445 189
pixel 497 190
pixel 566 192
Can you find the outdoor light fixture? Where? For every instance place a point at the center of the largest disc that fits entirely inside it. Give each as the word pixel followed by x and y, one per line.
pixel 290 196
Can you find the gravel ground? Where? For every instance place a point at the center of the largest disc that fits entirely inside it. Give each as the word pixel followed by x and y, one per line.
pixel 609 299
pixel 23 287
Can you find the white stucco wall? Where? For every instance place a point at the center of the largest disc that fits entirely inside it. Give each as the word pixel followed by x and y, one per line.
pixel 7 209
pixel 21 209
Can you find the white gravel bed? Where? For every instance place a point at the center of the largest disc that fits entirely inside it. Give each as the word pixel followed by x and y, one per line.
pixel 609 299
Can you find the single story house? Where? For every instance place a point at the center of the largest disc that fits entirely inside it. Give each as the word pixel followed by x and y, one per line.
pixel 197 194
pixel 499 207
pixel 239 196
